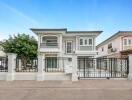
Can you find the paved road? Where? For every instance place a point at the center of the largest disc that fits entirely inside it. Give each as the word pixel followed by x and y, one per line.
pixel 66 90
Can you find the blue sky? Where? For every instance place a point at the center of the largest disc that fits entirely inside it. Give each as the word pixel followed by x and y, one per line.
pixel 110 16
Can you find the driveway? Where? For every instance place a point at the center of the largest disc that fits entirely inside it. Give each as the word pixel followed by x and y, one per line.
pixel 66 90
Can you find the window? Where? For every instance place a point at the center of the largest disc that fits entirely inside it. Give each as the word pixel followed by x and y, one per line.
pixel 81 41
pixel 102 49
pixel 125 41
pixel 51 42
pixel 69 47
pixel 129 42
pixel 86 41
pixel 51 62
pixel 90 41
pixel 110 46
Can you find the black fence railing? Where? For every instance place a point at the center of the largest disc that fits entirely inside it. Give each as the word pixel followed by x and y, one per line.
pixel 3 64
pixel 26 64
pixel 55 64
pixel 103 67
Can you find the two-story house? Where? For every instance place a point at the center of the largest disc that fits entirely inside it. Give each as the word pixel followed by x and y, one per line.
pixel 56 44
pixel 118 45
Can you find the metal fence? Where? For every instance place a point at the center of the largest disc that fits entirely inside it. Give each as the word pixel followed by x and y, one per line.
pixel 29 64
pixel 56 64
pixel 103 67
pixel 3 64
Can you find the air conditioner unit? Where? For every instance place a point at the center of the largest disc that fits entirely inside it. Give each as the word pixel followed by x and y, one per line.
pixel 114 50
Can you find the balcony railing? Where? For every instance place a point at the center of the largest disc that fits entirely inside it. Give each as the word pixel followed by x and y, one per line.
pixel 49 45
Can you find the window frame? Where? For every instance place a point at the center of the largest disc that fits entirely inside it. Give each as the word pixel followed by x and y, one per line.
pixel 125 42
pixel 129 42
pixel 102 49
pixel 84 43
pixel 71 46
pixel 110 47
pixel 80 42
pixel 51 43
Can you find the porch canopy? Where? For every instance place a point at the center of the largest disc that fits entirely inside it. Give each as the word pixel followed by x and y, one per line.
pixel 125 53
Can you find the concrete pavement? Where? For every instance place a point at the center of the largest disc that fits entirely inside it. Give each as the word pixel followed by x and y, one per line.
pixel 66 90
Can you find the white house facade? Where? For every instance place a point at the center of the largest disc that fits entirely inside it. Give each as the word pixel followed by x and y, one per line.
pixel 61 48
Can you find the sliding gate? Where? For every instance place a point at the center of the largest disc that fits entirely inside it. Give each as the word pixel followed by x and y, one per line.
pixel 102 68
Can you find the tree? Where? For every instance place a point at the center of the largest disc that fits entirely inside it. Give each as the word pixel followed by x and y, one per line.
pixel 21 44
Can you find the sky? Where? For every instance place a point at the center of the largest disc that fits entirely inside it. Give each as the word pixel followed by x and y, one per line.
pixel 109 16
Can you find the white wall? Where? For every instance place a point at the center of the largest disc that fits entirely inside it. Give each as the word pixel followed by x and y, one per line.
pixel 116 43
pixel 33 76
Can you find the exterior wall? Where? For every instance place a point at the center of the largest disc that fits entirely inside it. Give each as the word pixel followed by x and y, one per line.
pixel 32 76
pixel 116 44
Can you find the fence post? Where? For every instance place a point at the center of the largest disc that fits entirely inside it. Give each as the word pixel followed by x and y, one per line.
pixel 130 67
pixel 40 74
pixel 74 68
pixel 11 66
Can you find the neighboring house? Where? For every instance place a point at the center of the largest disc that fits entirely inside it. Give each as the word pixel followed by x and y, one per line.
pixel 57 44
pixel 119 45
pixel 2 53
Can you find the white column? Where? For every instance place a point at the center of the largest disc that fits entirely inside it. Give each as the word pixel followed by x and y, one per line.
pixel 94 47
pixel 74 68
pixel 95 61
pixel 11 66
pixel 41 66
pixel 130 67
pixel 60 42
pixel 39 41
pixel 77 43
pixel 20 64
pixel 60 61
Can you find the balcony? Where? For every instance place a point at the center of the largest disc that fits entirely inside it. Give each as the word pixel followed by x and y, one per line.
pixel 49 47
pixel 49 44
